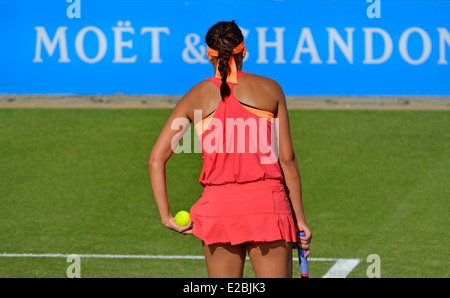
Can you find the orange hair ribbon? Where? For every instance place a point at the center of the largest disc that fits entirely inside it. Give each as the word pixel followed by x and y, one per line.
pixel 232 76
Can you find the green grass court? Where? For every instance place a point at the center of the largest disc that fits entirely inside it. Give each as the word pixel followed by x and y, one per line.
pixel 75 181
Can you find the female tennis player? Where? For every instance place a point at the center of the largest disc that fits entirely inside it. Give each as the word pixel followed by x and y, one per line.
pixel 251 202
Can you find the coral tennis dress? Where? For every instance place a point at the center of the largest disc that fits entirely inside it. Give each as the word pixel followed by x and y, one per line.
pixel 243 198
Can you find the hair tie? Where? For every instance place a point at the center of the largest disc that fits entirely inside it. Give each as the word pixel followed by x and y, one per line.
pixel 232 76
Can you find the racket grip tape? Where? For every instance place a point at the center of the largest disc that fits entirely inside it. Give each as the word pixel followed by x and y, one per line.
pixel 303 262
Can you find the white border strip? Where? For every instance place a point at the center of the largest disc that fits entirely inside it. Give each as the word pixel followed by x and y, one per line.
pixel 340 269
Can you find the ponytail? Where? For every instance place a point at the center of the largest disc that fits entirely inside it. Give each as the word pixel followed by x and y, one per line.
pixel 224 69
pixel 224 37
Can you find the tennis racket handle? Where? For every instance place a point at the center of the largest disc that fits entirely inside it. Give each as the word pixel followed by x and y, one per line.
pixel 303 262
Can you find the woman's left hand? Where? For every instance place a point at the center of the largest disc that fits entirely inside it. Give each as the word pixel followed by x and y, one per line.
pixel 186 230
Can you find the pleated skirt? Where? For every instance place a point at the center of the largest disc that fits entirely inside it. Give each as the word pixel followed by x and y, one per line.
pixel 236 213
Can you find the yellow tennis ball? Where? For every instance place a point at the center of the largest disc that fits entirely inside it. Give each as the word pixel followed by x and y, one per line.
pixel 182 218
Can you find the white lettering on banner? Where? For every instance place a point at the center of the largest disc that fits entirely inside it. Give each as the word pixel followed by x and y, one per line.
pixel 403 46
pixel 368 38
pixel 191 40
pixel 444 37
pixel 102 44
pixel 346 48
pixel 306 36
pixel 119 44
pixel 155 31
pixel 195 52
pixel 59 39
pixel 277 44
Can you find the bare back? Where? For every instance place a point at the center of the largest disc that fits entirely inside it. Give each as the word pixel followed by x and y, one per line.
pixel 256 91
pixel 252 90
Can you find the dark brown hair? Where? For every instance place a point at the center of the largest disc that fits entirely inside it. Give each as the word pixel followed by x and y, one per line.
pixel 224 37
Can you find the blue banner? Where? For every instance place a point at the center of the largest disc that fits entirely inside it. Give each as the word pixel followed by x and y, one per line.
pixel 359 47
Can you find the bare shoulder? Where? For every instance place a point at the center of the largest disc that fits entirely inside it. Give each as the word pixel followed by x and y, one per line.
pixel 262 83
pixel 200 89
pixel 200 92
pixel 261 92
pixel 202 96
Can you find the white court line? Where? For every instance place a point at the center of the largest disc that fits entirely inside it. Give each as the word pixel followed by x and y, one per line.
pixel 340 269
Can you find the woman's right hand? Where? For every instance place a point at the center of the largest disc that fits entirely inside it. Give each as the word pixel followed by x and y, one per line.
pixel 303 242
